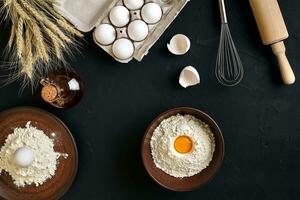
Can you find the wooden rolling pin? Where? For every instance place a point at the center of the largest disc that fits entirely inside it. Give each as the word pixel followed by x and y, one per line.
pixel 273 31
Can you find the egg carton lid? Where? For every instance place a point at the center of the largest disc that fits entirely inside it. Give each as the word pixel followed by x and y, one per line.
pixel 84 14
pixel 87 14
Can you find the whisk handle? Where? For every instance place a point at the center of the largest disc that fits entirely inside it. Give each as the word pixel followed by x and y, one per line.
pixel 286 70
pixel 223 11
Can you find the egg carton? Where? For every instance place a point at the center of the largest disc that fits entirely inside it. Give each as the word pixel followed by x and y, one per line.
pixel 86 15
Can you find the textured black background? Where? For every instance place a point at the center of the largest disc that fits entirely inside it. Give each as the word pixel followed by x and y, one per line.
pixel 259 118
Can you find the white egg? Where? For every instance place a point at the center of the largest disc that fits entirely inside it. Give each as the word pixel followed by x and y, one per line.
pixel 137 30
pixel 24 157
pixel 119 16
pixel 151 13
pixel 123 48
pixel 133 4
pixel 105 34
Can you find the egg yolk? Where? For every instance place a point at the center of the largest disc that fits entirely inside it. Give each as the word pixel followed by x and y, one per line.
pixel 183 144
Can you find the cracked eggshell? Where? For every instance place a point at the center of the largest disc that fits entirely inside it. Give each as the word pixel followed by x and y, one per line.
pixel 179 44
pixel 189 76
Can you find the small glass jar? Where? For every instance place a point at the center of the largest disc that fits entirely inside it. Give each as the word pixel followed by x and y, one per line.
pixel 62 88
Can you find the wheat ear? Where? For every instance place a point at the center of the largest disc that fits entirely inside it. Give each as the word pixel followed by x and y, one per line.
pixel 40 44
pixel 41 17
pixel 12 36
pixel 38 33
pixel 13 28
pixel 20 39
pixel 60 20
pixel 27 66
pixel 65 25
pixel 7 3
pixel 58 44
pixel 20 10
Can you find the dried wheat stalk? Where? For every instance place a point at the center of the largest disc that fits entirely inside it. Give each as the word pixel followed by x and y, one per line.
pixel 39 35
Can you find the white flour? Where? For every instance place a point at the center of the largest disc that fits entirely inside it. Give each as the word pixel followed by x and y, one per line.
pixel 168 159
pixel 44 164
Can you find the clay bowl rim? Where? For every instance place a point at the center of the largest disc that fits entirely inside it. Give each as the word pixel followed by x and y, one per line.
pixel 72 180
pixel 183 110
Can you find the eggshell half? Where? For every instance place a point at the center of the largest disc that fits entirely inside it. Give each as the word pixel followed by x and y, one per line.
pixel 189 76
pixel 179 44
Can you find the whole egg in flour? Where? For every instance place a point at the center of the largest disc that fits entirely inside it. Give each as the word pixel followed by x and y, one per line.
pixel 24 157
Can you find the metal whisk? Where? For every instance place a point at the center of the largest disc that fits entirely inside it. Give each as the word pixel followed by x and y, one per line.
pixel 229 68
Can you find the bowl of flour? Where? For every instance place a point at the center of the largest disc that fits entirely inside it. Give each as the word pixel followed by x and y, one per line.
pixel 183 149
pixel 54 167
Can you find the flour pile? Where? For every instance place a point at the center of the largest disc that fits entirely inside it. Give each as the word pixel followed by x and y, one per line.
pixel 44 164
pixel 176 164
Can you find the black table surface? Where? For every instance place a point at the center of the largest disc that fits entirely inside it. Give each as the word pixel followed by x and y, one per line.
pixel 259 117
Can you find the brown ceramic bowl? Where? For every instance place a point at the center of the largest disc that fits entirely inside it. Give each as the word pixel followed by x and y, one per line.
pixel 55 187
pixel 189 183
